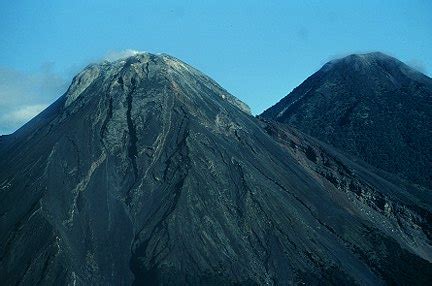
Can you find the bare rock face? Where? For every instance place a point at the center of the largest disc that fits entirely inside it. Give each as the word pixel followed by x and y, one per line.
pixel 147 172
pixel 371 106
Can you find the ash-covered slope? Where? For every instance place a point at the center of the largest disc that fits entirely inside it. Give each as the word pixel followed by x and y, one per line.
pixel 147 172
pixel 373 107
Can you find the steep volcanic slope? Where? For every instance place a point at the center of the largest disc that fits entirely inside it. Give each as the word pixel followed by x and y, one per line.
pixel 371 106
pixel 147 172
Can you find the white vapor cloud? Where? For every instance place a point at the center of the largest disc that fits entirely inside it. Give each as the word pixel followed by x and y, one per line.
pixel 23 95
pixel 25 113
pixel 418 65
pixel 117 55
pixel 21 115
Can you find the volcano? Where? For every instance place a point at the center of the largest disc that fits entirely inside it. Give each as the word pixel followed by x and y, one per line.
pixel 371 106
pixel 147 172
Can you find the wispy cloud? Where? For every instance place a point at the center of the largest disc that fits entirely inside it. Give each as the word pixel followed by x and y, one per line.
pixel 117 55
pixel 418 65
pixel 20 115
pixel 23 95
pixel 24 113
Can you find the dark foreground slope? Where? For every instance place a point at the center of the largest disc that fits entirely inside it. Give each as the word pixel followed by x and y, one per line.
pixel 373 107
pixel 147 172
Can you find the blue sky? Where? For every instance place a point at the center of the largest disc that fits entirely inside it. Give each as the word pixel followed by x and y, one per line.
pixel 257 50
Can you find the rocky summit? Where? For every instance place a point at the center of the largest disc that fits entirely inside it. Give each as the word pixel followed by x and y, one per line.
pixel 147 172
pixel 372 106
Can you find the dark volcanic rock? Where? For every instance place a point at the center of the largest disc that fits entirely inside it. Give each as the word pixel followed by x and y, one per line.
pixel 147 172
pixel 373 107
